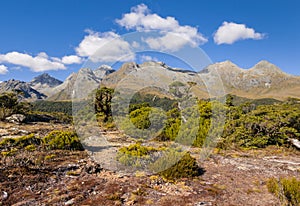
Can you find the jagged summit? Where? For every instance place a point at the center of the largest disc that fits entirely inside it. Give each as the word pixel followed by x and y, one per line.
pixel 23 87
pixel 102 71
pixel 44 83
pixel 85 79
pixel 46 79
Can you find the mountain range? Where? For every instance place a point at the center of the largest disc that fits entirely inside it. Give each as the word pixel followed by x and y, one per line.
pixel 264 80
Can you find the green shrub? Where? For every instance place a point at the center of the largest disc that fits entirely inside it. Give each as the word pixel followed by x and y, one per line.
pixel 21 142
pixel 11 152
pixel 176 164
pixel 50 157
pixel 263 126
pixel 135 155
pixel 9 104
pixel 27 140
pixel 30 148
pixel 7 143
pixel 62 140
pixel 286 189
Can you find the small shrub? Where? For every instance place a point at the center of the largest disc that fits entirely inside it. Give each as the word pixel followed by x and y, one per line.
pixel 30 148
pixel 9 153
pixel 72 173
pixel 50 157
pixel 176 164
pixel 135 155
pixel 273 186
pixel 7 142
pixel 27 140
pixel 63 140
pixel 115 197
pixel 286 189
pixel 21 142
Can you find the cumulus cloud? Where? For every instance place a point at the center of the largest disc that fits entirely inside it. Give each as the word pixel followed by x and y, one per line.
pixel 146 58
pixel 168 42
pixel 104 47
pixel 230 32
pixel 38 63
pixel 72 59
pixel 141 19
pixel 3 69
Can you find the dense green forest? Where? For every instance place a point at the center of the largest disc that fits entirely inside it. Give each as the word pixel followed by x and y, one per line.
pixel 51 106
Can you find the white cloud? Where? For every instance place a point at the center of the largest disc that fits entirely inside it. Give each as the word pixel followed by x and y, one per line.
pixel 146 58
pixel 168 42
pixel 104 47
pixel 231 32
pixel 3 69
pixel 93 41
pixel 39 63
pixel 72 59
pixel 141 19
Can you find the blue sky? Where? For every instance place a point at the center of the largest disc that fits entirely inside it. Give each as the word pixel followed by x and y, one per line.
pixel 54 36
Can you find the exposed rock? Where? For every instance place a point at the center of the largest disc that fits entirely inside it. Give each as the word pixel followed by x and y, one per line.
pixel 295 142
pixel 25 90
pixel 44 83
pixel 70 202
pixel 4 195
pixel 16 118
pixel 102 71
pixel 64 91
pixel 85 80
pixel 264 80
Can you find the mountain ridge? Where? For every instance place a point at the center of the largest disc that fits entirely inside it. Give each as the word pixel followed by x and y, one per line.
pixel 263 80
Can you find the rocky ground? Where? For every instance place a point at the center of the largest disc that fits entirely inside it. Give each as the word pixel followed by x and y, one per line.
pixel 72 178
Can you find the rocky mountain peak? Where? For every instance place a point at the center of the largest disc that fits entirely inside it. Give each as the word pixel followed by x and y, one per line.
pixel 85 71
pixel 23 87
pixel 265 67
pixel 102 71
pixel 228 65
pixel 45 79
pixel 126 68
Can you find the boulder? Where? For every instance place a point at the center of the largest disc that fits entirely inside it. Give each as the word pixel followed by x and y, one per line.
pixel 16 118
pixel 295 142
